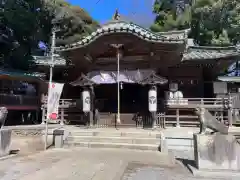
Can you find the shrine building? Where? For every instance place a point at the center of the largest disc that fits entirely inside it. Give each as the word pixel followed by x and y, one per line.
pixel 121 61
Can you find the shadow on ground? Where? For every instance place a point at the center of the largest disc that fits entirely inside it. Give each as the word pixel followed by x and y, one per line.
pixel 186 163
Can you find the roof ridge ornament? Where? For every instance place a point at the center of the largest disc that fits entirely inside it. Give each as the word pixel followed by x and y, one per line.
pixel 116 16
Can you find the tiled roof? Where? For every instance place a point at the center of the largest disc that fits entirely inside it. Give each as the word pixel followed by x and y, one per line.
pixel 208 52
pixel 192 53
pixel 178 37
pixel 16 73
pixel 46 60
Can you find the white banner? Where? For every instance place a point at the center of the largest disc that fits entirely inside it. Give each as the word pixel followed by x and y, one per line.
pixel 54 94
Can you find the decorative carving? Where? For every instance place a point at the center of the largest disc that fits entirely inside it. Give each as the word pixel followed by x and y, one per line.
pixel 116 15
pixel 200 113
pixel 209 121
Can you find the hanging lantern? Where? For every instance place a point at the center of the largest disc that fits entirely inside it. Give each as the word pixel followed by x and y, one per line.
pixel 86 101
pixel 152 100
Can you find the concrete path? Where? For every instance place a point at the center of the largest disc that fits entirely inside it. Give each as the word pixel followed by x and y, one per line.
pixel 93 164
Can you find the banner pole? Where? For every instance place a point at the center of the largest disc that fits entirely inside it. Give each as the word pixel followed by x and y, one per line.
pixel 49 85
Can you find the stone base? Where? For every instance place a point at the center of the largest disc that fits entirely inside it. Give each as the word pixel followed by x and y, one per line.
pixel 217 174
pixel 216 152
pixel 5 142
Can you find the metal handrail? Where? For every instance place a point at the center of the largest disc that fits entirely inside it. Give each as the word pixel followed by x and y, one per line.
pixel 11 99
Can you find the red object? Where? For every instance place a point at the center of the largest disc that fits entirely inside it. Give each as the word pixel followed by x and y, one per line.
pixel 53 116
pixel 53 85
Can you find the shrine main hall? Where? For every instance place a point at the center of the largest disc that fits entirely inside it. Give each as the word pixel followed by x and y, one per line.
pixel 121 61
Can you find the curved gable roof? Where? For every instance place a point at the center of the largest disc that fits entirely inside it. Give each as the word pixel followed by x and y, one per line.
pixel 176 37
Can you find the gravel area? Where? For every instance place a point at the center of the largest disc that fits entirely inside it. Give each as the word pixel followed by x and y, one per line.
pixel 94 164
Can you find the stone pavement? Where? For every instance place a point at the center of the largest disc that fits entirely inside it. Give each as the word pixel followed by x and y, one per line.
pixel 94 164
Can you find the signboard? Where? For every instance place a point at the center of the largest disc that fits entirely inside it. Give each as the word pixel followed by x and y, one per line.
pixel 220 87
pixel 54 94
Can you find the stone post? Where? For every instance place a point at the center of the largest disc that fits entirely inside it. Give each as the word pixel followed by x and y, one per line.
pixel 58 138
pixel 5 141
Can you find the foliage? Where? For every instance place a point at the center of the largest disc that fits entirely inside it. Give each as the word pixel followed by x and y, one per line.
pixel 169 16
pixel 31 21
pixel 73 22
pixel 21 18
pixel 212 22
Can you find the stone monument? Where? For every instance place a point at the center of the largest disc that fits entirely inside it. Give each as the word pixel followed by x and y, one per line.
pixel 5 134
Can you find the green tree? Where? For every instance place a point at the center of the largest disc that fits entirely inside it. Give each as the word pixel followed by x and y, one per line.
pixel 169 16
pixel 212 22
pixel 74 22
pixel 22 17
pixel 31 21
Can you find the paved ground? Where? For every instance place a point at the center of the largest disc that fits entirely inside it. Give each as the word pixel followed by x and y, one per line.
pixel 93 164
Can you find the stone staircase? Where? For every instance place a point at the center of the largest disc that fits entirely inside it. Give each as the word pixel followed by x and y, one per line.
pixel 179 143
pixel 180 138
pixel 112 138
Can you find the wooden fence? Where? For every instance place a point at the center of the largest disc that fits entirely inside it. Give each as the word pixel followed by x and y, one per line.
pixel 178 113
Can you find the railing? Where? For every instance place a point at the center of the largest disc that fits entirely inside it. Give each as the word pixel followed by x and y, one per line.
pixel 64 106
pixel 18 100
pixel 64 103
pixel 235 100
pixel 197 102
pixel 69 110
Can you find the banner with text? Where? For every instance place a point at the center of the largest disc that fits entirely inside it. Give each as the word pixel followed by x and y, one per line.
pixel 54 94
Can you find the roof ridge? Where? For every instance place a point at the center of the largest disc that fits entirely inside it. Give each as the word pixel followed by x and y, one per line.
pixel 118 26
pixel 174 31
pixel 213 47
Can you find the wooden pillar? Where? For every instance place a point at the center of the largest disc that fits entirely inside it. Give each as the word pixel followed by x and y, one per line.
pixel 43 114
pixel 91 122
pixel 154 119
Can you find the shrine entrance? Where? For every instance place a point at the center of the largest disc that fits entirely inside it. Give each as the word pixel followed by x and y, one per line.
pixel 133 98
pixel 133 104
pixel 133 101
pixel 134 88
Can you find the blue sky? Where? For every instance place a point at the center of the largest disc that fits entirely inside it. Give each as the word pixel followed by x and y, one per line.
pixel 139 11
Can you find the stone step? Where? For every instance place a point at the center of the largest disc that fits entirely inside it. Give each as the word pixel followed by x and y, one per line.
pixel 149 147
pixel 127 140
pixel 179 143
pixel 116 134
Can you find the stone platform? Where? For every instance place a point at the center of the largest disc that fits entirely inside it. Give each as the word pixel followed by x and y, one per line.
pixel 216 155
